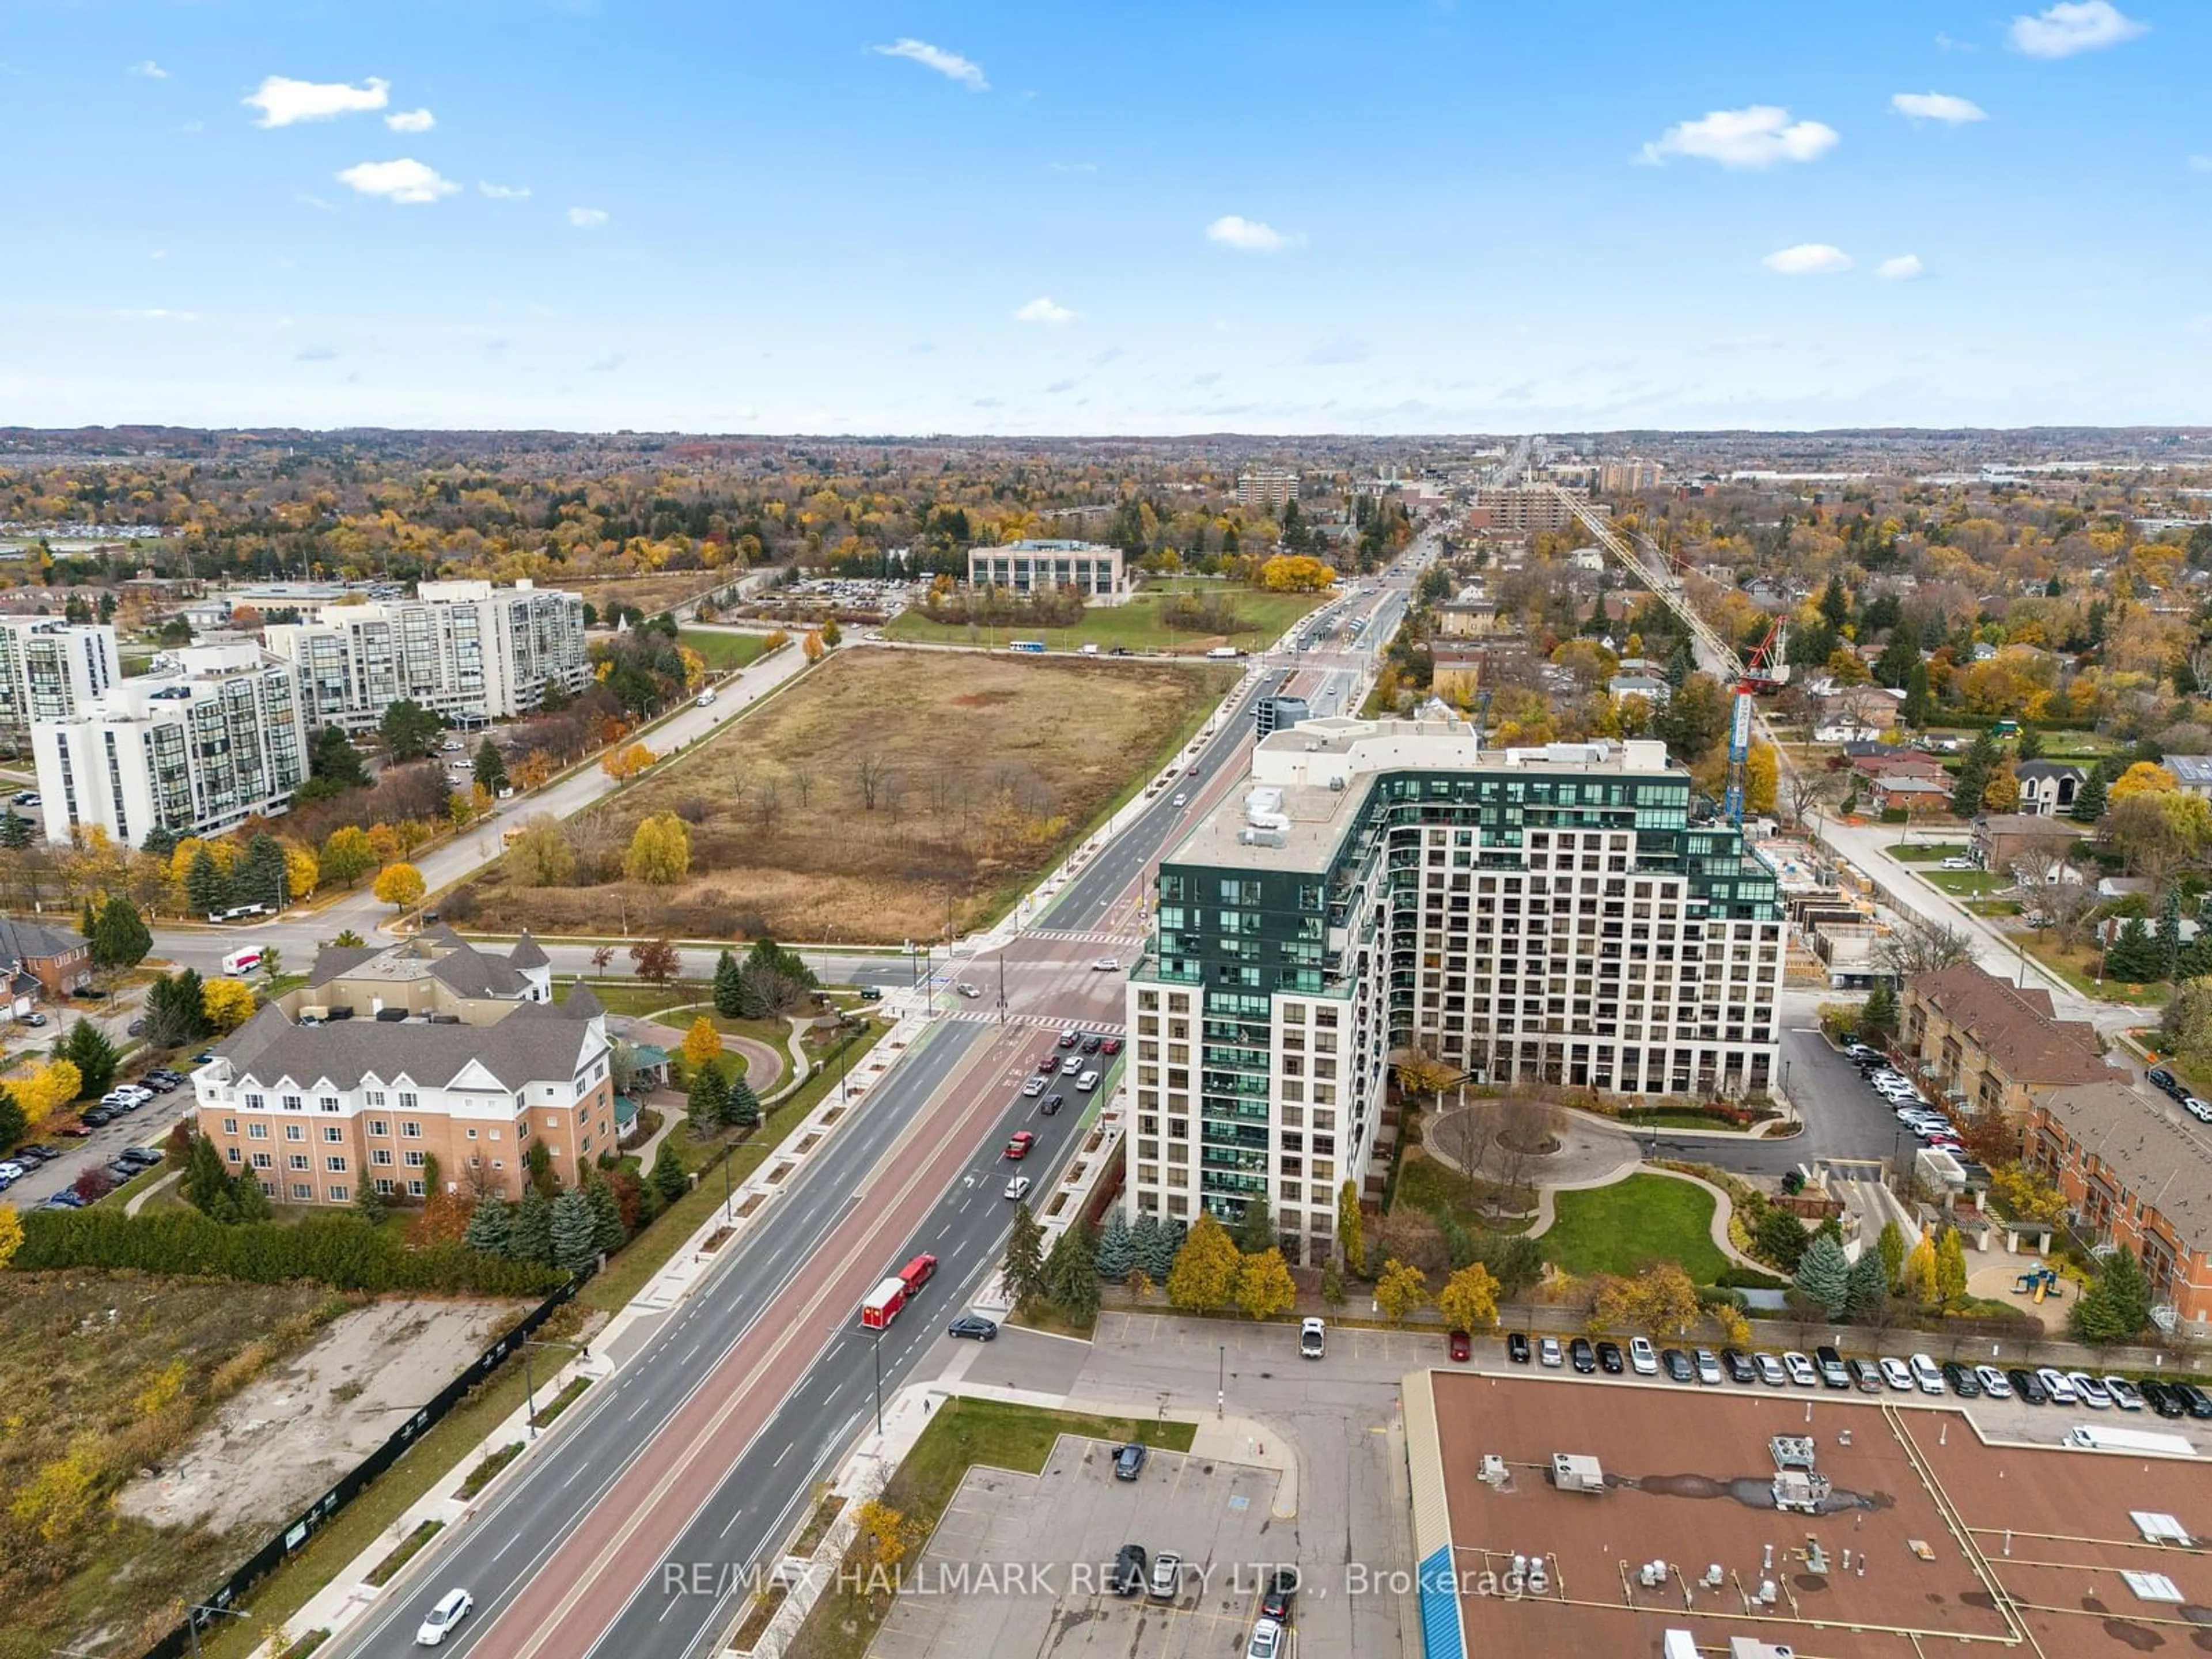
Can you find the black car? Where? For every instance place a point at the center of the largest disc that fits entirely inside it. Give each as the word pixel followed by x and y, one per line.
pixel 1582 1356
pixel 975 1325
pixel 2165 1081
pixel 1282 1590
pixel 118 1172
pixel 1129 1462
pixel 872 993
pixel 1609 1360
pixel 1051 1103
pixel 1092 1043
pixel 1738 1365
pixel 98 1116
pixel 1963 1382
pixel 1677 1365
pixel 2198 1402
pixel 2027 1385
pixel 1130 1567
pixel 144 1157
pixel 2161 1398
pixel 34 1154
pixel 207 1054
pixel 1516 1347
pixel 90 993
pixel 135 1028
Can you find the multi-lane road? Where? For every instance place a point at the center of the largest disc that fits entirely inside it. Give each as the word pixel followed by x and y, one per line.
pixel 697 1449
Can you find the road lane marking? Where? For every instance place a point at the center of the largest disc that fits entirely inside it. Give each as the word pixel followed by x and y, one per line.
pixel 785 1453
pixel 734 1519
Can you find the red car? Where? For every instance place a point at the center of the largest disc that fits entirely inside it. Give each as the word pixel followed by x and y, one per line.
pixel 1111 1045
pixel 1459 1344
pixel 1018 1147
pixel 1049 1065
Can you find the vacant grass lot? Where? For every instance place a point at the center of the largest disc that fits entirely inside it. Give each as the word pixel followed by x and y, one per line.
pixel 651 594
pixel 1964 884
pixel 1136 625
pixel 721 648
pixel 103 1374
pixel 1618 1229
pixel 1928 852
pixel 888 795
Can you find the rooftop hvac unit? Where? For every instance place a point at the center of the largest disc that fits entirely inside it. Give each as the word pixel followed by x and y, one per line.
pixel 1574 1471
pixel 1492 1472
pixel 1792 1451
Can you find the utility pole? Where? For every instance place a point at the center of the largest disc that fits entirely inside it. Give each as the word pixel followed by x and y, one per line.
pixel 192 1621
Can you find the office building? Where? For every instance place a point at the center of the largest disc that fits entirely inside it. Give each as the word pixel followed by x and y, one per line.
pixel 389 1063
pixel 1524 914
pixel 1025 568
pixel 1518 511
pixel 49 669
pixel 1270 488
pixel 1622 477
pixel 197 751
pixel 466 651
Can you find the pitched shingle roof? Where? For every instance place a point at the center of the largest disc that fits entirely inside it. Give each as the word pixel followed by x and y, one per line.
pixel 31 941
pixel 2042 768
pixel 2164 1163
pixel 2018 1028
pixel 537 1042
pixel 527 953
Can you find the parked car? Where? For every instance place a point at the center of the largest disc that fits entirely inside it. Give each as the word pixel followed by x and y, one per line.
pixel 1738 1365
pixel 1868 1375
pixel 1641 1359
pixel 2198 1402
pixel 872 993
pixel 1608 1358
pixel 1995 1383
pixel 2058 1385
pixel 1459 1346
pixel 1282 1590
pixel 1267 1640
pixel 2026 1387
pixel 1129 1462
pixel 1963 1382
pixel 1709 1367
pixel 1516 1347
pixel 1830 1363
pixel 2158 1078
pixel 2162 1398
pixel 1547 1352
pixel 974 1326
pixel 2124 1394
pixel 1313 1339
pixel 1676 1364
pixel 1130 1570
pixel 1582 1357
pixel 144 1157
pixel 1166 1578
pixel 1898 1374
pixel 2091 1390
pixel 1801 1370
pixel 1925 1372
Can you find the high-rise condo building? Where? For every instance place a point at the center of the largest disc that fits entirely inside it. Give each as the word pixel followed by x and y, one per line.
pixel 49 669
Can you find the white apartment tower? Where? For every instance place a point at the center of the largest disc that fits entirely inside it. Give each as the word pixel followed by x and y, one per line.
pixel 1268 486
pixel 464 650
pixel 1522 914
pixel 197 751
pixel 49 669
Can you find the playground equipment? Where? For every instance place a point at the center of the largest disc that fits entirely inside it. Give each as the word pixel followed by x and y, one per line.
pixel 2042 1281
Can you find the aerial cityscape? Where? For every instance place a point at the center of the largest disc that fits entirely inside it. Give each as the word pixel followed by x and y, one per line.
pixel 748 760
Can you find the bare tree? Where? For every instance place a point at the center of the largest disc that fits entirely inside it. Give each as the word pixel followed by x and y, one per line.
pixel 1916 945
pixel 776 993
pixel 2066 907
pixel 1464 1136
pixel 1810 789
pixel 767 803
pixel 802 784
pixel 2041 859
pixel 868 774
pixel 1526 1126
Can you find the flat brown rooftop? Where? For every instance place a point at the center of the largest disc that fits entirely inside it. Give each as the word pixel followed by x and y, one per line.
pixel 1927 1538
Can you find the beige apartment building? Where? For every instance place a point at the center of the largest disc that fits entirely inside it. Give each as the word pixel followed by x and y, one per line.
pixel 390 1061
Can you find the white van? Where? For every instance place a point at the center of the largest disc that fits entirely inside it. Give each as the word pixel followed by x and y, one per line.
pixel 238 963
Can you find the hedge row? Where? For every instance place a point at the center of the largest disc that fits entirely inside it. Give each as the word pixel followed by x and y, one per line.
pixel 342 1251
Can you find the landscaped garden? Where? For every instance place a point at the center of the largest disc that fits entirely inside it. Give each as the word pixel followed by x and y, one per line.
pixel 1622 1227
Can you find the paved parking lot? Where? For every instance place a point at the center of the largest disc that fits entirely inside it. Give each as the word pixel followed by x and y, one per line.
pixel 1017 1568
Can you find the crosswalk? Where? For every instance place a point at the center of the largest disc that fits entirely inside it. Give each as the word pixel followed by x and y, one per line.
pixel 1072 936
pixel 973 1015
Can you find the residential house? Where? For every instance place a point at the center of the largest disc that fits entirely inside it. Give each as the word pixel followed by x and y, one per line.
pixel 2003 839
pixel 2135 1172
pixel 1456 673
pixel 1992 1043
pixel 1649 687
pixel 1854 712
pixel 2192 772
pixel 1911 794
pixel 38 962
pixel 2047 788
pixel 1468 617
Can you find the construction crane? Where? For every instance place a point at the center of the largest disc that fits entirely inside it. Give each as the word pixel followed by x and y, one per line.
pixel 1756 673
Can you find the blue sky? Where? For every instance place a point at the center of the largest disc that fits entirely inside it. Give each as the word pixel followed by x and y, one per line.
pixel 1402 215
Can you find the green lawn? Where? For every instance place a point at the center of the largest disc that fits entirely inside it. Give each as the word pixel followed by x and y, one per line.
pixel 1618 1229
pixel 964 1432
pixel 1136 624
pixel 723 650
pixel 1964 884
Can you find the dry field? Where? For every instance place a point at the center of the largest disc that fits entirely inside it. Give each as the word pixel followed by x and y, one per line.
pixel 650 594
pixel 886 796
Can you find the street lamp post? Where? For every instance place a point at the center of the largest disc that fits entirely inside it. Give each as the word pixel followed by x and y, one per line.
pixel 192 1621
pixel 530 1385
pixel 1221 1389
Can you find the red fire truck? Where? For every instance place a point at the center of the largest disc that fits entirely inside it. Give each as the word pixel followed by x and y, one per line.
pixel 884 1302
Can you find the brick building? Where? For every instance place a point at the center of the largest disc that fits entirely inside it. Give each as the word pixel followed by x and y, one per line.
pixel 1992 1042
pixel 36 960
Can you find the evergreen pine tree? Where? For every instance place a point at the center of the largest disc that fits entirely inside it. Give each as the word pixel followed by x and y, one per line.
pixel 13 1125
pixel 1878 1019
pixel 729 993
pixel 2089 799
pixel 575 1232
pixel 707 1100
pixel 532 1232
pixel 743 1110
pixel 1823 1276
pixel 1116 1249
pixel 96 1057
pixel 207 1184
pixel 14 830
pixel 1145 1243
pixel 252 1203
pixel 1868 1287
pixel 1024 1261
pixel 120 936
pixel 491 1226
pixel 1070 1273
pixel 608 1233
pixel 207 889
pixel 1919 698
pixel 1974 775
pixel 667 1177
pixel 2132 956
pixel 370 1204
pixel 1255 1228
pixel 2169 935
pixel 2116 1306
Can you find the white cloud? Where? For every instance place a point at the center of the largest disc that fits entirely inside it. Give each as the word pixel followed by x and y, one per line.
pixel 159 314
pixel 1902 269
pixel 1232 231
pixel 1937 106
pixel 282 102
pixel 504 193
pixel 2073 26
pixel 405 182
pixel 950 65
pixel 1758 137
pixel 150 70
pixel 587 218
pixel 411 120
pixel 1808 259
pixel 1043 310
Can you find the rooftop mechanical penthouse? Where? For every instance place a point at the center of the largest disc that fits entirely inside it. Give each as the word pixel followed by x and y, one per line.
pixel 1542 914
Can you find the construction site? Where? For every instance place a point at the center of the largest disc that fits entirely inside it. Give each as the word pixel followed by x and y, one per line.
pixel 1649 1520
